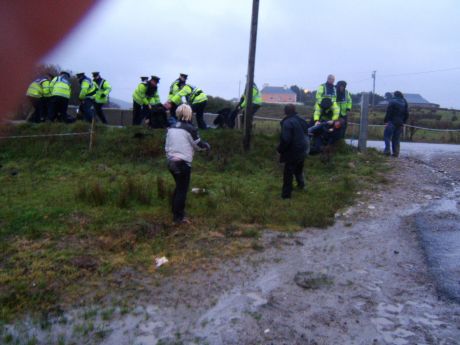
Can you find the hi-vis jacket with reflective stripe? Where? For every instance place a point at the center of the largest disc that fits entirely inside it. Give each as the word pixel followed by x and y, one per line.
pixel 142 97
pixel 256 98
pixel 46 84
pixel 139 95
pixel 36 88
pixel 174 88
pixel 345 105
pixel 323 92
pixel 332 113
pixel 103 91
pixel 60 86
pixel 154 100
pixel 88 89
pixel 192 94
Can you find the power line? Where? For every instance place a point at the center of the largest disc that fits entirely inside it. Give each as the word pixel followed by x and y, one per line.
pixel 417 73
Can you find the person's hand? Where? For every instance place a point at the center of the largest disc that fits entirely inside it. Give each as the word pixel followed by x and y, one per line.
pixel 317 123
pixel 167 105
pixel 330 122
pixel 150 107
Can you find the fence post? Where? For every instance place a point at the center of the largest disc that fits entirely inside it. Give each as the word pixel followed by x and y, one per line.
pixel 363 129
pixel 91 134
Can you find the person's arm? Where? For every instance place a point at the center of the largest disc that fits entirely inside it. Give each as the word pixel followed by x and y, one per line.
pixel 335 112
pixel 317 113
pixel 196 142
pixel 156 98
pixel 83 90
pixel 349 101
pixel 184 92
pixel 406 112
pixel 388 113
pixel 106 88
pixel 319 93
pixel 285 137
pixel 46 86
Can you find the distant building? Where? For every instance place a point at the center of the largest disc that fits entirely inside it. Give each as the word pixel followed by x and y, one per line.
pixel 414 100
pixel 278 94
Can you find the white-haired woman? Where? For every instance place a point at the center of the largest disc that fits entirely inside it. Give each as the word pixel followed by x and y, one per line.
pixel 182 140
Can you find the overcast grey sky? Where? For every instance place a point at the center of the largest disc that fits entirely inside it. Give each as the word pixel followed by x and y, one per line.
pixel 299 42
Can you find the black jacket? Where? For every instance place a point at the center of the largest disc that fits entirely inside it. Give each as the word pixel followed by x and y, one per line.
pixel 293 139
pixel 397 111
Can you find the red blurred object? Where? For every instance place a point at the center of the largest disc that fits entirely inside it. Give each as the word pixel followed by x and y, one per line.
pixel 28 30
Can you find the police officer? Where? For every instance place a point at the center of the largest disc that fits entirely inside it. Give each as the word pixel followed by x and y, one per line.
pixel 196 98
pixel 326 129
pixel 88 91
pixel 256 104
pixel 156 113
pixel 326 90
pixel 60 94
pixel 344 103
pixel 102 95
pixel 144 97
pixel 36 95
pixel 175 87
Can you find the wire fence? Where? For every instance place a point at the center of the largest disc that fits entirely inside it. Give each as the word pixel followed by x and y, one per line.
pixel 268 125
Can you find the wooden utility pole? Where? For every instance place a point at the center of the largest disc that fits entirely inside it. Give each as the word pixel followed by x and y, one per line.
pixel 248 118
pixel 362 141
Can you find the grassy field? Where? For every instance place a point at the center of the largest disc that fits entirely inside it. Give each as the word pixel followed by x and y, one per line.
pixel 71 220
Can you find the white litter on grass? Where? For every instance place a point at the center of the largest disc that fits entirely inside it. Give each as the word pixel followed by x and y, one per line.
pixel 198 190
pixel 267 330
pixel 371 207
pixel 161 261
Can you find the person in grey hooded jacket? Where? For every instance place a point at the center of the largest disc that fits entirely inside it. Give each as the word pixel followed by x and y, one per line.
pixel 182 140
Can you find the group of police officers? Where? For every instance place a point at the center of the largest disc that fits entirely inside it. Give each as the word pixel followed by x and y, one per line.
pixel 50 95
pixel 50 98
pixel 330 117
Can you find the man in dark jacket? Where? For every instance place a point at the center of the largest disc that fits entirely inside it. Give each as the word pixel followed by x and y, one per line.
pixel 292 149
pixel 395 118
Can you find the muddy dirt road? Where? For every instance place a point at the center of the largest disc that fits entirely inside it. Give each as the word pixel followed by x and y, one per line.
pixel 382 279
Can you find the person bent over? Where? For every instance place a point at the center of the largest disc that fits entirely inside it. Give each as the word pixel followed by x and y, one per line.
pixel 256 104
pixel 182 140
pixel 144 96
pixel 193 96
pixel 292 149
